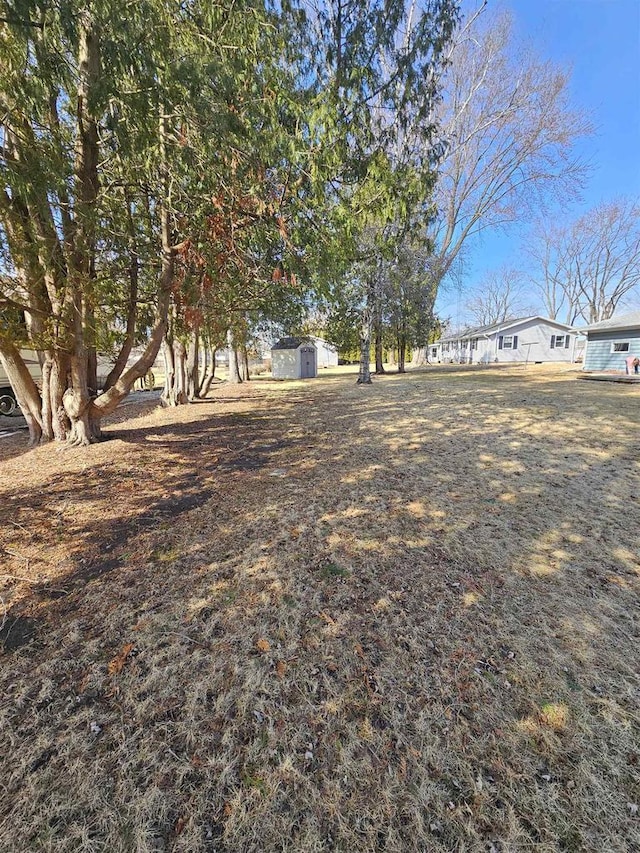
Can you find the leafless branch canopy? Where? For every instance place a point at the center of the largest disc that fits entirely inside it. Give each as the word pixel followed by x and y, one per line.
pixel 501 296
pixel 588 267
pixel 510 132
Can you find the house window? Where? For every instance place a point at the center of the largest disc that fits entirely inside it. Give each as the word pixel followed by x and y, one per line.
pixel 507 342
pixel 445 347
pixel 560 341
pixel 620 346
pixel 474 343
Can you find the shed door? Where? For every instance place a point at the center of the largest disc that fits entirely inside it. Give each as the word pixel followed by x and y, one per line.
pixel 307 363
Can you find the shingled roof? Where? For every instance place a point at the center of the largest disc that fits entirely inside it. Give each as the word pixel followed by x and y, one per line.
pixel 291 343
pixel 622 321
pixel 485 331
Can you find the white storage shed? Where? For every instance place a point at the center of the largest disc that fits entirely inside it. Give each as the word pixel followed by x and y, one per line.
pixel 294 358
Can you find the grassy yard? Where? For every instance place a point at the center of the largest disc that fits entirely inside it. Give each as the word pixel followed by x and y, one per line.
pixel 320 617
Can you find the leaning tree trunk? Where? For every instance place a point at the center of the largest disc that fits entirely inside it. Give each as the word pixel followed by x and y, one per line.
pixel 24 388
pixel 132 305
pixel 209 375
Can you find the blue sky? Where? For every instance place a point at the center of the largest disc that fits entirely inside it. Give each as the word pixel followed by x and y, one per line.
pixel 600 41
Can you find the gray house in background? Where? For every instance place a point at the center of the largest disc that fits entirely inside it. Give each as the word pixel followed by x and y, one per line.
pixel 611 342
pixel 524 339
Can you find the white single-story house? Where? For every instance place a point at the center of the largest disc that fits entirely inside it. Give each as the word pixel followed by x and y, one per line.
pixel 294 358
pixel 528 339
pixel 326 353
pixel 613 343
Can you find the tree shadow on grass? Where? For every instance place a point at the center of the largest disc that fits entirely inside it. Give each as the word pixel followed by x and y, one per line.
pixel 98 512
pixel 419 601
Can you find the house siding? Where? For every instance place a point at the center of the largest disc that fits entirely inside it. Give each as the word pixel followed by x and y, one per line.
pixel 534 343
pixel 598 355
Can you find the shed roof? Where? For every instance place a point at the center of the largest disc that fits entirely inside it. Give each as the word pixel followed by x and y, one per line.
pixel 323 343
pixel 292 343
pixel 622 321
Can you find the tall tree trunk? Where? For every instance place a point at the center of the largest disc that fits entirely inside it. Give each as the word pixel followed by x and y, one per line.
pixel 77 399
pixel 55 423
pixel 419 356
pixel 402 350
pixel 378 335
pixel 47 412
pixel 169 369
pixel 77 404
pixel 58 383
pixel 243 363
pixel 364 372
pixel 234 373
pixel 175 383
pixel 205 363
pixel 193 366
pixel 92 370
pixel 180 356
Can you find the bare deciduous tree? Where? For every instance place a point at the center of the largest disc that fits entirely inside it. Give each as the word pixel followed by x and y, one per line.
pixel 510 131
pixel 501 296
pixel 550 248
pixel 588 267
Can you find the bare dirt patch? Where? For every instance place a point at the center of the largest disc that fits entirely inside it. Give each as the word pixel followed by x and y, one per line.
pixel 314 616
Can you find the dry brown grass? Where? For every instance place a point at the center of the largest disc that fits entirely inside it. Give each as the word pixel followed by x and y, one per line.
pixel 315 616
